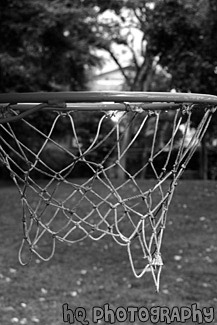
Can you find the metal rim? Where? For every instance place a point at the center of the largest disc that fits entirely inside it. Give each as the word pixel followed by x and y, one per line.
pixel 96 97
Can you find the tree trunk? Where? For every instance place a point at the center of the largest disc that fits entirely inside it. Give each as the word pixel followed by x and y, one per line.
pixel 141 82
pixel 146 84
pixel 203 159
pixel 144 76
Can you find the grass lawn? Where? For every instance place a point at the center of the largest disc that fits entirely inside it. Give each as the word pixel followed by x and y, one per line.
pixel 90 273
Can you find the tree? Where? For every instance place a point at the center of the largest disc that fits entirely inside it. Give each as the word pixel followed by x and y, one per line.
pixel 116 30
pixel 183 36
pixel 45 45
pixel 179 36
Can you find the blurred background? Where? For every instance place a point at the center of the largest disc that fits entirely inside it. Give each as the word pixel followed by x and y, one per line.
pixel 114 45
pixel 106 45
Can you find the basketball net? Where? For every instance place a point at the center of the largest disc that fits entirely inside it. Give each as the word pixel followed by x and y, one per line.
pixel 81 161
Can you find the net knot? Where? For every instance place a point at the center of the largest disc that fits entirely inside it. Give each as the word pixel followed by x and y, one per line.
pixel 156 260
pixel 144 216
pixel 183 166
pixel 63 114
pixel 213 109
pixel 110 114
pixel 109 228
pixel 113 206
pixel 100 167
pixel 186 108
pixel 151 113
pixel 133 108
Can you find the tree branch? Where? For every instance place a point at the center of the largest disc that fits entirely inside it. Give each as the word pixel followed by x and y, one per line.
pixel 119 65
pixel 143 73
pixel 135 61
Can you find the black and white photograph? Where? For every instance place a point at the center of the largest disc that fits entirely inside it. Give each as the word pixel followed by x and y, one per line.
pixel 108 162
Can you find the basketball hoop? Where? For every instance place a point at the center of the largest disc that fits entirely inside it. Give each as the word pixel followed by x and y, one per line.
pixel 113 140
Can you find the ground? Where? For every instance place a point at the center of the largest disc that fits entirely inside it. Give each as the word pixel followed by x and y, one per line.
pixel 90 274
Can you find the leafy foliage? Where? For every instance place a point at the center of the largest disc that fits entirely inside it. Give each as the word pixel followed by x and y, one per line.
pixel 44 45
pixel 48 45
pixel 182 35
